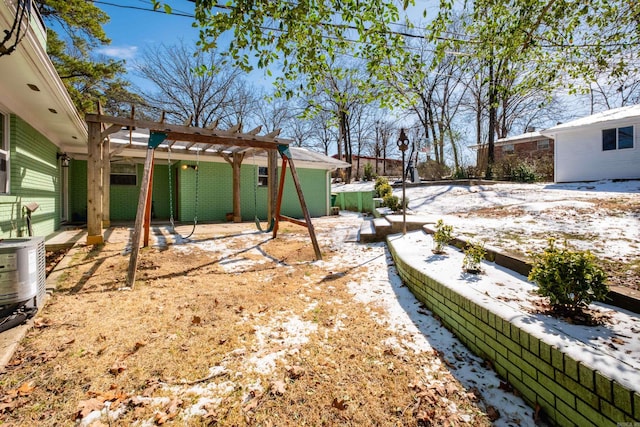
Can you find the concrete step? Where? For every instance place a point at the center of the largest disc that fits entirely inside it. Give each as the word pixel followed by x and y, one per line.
pixel 382 226
pixel 367 232
pixel 375 230
pixel 413 222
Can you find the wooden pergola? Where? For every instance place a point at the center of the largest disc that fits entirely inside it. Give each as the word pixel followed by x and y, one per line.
pixel 231 144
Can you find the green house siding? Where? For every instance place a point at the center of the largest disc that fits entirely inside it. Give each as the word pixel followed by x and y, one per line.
pixel 215 193
pixel 315 188
pixel 35 176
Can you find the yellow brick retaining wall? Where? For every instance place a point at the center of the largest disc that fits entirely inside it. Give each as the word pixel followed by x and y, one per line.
pixel 568 391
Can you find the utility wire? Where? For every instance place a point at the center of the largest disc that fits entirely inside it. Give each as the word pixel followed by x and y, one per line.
pixel 353 27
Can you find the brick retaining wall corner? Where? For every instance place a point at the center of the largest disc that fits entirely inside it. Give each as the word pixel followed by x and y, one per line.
pixel 569 392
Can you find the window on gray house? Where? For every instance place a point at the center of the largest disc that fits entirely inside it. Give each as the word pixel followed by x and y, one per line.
pixel 619 138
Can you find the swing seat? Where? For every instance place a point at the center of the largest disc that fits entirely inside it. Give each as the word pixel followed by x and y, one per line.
pixel 268 230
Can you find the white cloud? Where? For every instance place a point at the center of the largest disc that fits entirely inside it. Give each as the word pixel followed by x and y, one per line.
pixel 121 52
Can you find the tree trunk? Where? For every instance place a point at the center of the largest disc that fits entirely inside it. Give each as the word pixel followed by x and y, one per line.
pixel 492 122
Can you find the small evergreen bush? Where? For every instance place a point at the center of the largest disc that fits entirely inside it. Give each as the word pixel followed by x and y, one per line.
pixel 524 173
pixel 570 279
pixel 442 236
pixel 382 187
pixel 368 172
pixel 473 255
pixel 390 201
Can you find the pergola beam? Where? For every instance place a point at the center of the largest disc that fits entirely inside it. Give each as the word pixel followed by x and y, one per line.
pixel 199 134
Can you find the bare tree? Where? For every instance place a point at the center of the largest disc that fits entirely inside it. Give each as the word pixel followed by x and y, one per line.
pixel 188 83
pixel 323 131
pixel 340 95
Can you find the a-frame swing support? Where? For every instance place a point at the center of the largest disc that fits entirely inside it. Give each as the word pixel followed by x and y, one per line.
pixel 156 139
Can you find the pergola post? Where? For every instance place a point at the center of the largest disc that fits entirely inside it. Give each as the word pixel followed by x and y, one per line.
pixel 236 164
pixel 106 184
pixel 272 183
pixel 94 185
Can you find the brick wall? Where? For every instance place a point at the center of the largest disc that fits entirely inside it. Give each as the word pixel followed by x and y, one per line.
pixel 568 392
pixel 524 150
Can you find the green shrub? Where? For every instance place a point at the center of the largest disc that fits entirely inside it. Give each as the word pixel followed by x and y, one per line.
pixel 432 170
pixel 570 279
pixel 383 189
pixel 368 172
pixel 473 255
pixel 442 236
pixel 391 201
pixel 394 203
pixel 524 173
pixel 381 181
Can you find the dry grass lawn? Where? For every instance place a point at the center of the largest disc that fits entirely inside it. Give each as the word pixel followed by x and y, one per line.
pixel 252 333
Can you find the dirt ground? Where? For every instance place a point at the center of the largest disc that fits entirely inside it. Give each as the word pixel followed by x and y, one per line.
pixel 231 328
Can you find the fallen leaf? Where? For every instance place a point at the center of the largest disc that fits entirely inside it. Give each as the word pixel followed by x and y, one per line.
pixel 196 320
pixel 492 413
pixel 425 417
pixel 8 406
pixel 117 368
pixel 253 400
pixel 170 412
pixel 278 388
pixel 138 345
pixel 536 413
pixel 339 404
pixel 86 407
pixel 25 389
pixel 295 371
pixel 41 323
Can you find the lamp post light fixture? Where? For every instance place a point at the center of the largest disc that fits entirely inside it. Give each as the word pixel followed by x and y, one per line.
pixel 403 144
pixel 65 159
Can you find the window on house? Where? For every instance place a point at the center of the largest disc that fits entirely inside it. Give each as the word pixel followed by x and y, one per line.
pixel 124 174
pixel 619 138
pixel 507 148
pixel 543 144
pixel 263 176
pixel 4 152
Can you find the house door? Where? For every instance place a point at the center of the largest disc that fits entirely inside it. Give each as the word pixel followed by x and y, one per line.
pixel 64 194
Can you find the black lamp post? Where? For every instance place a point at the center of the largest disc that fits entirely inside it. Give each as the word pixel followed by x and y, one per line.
pixel 403 144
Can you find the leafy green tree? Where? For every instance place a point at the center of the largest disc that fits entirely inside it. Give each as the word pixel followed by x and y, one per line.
pixel 556 43
pixel 74 32
pixel 301 37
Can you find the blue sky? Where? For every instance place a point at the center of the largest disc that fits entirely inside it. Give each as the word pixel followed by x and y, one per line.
pixel 131 29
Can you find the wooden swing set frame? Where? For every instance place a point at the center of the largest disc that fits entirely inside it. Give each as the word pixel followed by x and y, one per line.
pixel 230 144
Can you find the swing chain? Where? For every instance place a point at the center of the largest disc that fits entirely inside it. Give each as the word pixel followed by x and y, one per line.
pixel 170 191
pixel 195 217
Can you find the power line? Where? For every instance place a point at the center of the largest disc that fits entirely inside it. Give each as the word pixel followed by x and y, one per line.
pixel 353 27
pixel 144 9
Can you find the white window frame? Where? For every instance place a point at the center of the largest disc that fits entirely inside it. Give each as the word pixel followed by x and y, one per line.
pixel 544 144
pixel 616 146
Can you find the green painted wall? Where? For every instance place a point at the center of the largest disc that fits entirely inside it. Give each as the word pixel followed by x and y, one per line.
pixel 35 177
pixel 215 193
